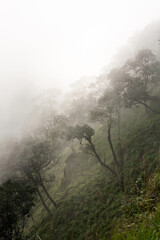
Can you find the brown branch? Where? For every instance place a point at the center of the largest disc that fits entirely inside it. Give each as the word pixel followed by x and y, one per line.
pixel 99 159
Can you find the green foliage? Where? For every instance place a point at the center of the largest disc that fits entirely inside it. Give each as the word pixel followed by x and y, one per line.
pixel 139 151
pixel 85 213
pixel 137 79
pixel 16 200
pixel 92 209
pixel 91 203
pixel 140 213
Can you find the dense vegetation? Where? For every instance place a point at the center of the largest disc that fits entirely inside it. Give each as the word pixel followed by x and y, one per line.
pixel 95 169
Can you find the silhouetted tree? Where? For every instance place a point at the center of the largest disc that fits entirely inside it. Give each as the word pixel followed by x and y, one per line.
pixel 35 157
pixel 137 80
pixel 16 200
pixel 84 134
pixel 107 113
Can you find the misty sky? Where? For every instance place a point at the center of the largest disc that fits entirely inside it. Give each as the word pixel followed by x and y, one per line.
pixel 55 42
pixel 52 43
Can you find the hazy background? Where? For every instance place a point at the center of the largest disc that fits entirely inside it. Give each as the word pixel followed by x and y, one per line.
pixel 51 43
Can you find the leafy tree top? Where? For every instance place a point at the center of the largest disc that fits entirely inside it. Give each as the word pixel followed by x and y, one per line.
pixel 80 132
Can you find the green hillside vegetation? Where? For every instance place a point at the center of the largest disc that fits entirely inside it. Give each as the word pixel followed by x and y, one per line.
pixel 98 179
pixel 96 207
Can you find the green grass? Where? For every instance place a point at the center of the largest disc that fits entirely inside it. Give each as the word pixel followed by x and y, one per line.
pixel 92 204
pixel 146 229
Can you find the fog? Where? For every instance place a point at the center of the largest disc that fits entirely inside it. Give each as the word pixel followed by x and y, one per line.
pixel 51 44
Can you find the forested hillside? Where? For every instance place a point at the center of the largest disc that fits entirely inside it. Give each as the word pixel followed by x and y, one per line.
pixel 91 170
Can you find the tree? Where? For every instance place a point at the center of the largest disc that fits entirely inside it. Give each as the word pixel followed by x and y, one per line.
pixel 106 114
pixel 35 157
pixel 137 80
pixel 40 151
pixel 84 134
pixel 16 200
pixel 8 150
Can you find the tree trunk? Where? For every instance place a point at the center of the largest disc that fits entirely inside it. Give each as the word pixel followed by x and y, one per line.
pixel 111 146
pixel 46 192
pixel 99 159
pixel 30 177
pixel 118 124
pixel 148 107
pixel 122 156
pixel 43 202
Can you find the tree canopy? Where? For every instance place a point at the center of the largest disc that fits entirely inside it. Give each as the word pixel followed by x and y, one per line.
pixel 16 200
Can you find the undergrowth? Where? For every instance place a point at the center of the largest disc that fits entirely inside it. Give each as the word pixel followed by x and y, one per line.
pixel 93 205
